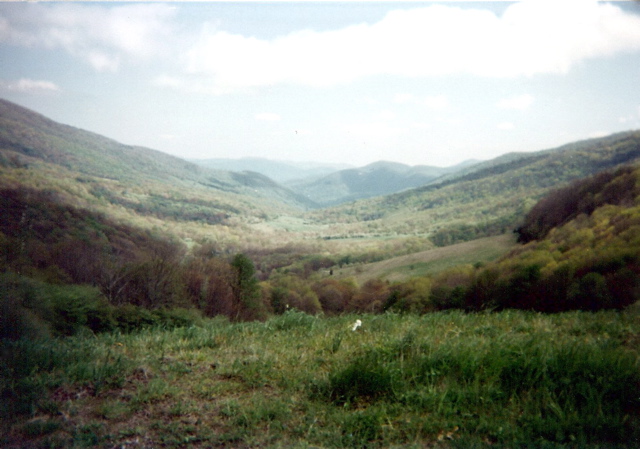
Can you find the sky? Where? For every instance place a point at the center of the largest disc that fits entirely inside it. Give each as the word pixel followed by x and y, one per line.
pixel 421 83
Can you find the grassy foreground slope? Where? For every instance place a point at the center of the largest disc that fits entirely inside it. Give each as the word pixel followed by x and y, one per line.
pixel 500 380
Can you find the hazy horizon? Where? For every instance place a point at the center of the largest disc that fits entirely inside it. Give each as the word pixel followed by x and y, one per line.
pixel 419 83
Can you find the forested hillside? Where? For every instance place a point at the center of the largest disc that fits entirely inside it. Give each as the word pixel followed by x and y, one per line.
pixel 488 200
pixel 589 259
pixel 583 253
pixel 377 179
pixel 29 140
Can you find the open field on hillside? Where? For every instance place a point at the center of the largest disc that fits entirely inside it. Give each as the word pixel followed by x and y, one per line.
pixel 431 261
pixel 510 379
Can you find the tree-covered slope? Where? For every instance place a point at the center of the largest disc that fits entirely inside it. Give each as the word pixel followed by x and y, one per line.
pixel 379 178
pixel 29 137
pixel 488 199
pixel 587 256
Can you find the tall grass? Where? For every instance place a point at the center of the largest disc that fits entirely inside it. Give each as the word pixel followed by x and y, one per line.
pixel 510 379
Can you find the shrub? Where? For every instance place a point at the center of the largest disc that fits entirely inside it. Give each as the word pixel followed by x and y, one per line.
pixel 178 317
pixel 444 297
pixel 75 307
pixel 130 318
pixel 411 296
pixel 32 308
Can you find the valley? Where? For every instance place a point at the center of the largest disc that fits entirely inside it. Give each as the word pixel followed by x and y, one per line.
pixel 149 301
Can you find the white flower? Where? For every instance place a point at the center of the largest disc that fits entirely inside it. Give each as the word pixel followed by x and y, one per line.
pixel 356 325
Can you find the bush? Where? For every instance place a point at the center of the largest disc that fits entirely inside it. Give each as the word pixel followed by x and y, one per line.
pixel 78 306
pixel 178 317
pixel 411 296
pixel 33 308
pixel 130 318
pixel 444 297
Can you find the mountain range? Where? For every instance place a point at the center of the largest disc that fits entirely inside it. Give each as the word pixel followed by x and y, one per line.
pixel 30 139
pixel 300 185
pixel 376 179
pixel 282 172
pixel 383 199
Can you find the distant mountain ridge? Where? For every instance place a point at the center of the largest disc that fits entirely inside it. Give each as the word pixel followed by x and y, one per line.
pixel 376 179
pixel 279 171
pixel 446 205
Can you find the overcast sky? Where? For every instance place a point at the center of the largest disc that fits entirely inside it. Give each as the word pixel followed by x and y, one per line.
pixel 431 83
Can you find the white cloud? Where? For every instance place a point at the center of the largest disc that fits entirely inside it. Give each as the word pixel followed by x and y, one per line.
pixel 169 81
pixel 268 117
pixel 531 37
pixel 103 62
pixel 99 35
pixel 505 126
pixel 519 102
pixel 26 85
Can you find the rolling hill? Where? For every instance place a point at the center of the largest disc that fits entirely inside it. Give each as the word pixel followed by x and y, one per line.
pixel 376 179
pixel 486 199
pixel 240 211
pixel 134 177
pixel 280 171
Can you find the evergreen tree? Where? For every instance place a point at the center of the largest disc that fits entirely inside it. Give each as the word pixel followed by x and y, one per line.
pixel 246 291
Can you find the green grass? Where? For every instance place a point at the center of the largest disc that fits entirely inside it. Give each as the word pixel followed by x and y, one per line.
pixel 430 262
pixel 510 379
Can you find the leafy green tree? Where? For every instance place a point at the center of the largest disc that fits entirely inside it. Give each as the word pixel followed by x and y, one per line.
pixel 247 296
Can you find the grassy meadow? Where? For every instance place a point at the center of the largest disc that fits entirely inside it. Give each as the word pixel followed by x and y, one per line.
pixel 431 261
pixel 447 379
